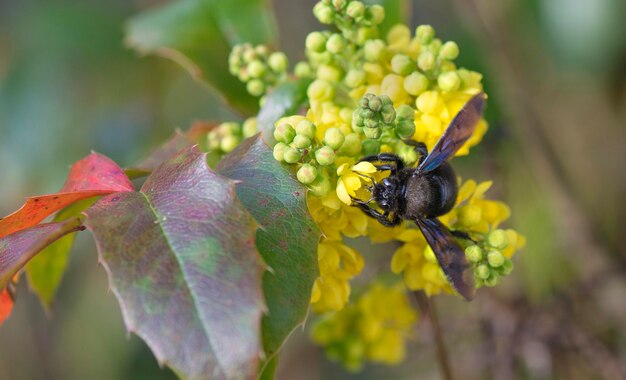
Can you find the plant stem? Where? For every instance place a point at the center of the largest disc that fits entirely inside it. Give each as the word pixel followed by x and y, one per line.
pixel 428 308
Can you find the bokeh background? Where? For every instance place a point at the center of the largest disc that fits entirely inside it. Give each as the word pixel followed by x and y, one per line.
pixel 555 71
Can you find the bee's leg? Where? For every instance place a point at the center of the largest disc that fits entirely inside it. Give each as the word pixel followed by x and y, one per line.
pixel 420 148
pixel 382 218
pixel 461 235
pixel 391 162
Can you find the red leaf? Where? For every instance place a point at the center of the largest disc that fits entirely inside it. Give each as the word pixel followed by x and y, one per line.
pixel 6 305
pixel 93 175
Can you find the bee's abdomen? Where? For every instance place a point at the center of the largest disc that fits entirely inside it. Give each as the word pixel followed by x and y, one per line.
pixel 432 194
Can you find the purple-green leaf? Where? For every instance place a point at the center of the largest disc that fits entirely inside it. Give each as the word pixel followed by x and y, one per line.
pixel 19 247
pixel 182 261
pixel 287 239
pixel 285 99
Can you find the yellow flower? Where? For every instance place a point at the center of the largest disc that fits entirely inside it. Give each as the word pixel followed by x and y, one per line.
pixel 350 181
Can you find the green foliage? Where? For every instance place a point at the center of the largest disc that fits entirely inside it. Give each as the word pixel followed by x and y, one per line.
pixel 285 99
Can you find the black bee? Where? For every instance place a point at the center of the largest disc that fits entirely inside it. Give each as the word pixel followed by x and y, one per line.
pixel 423 193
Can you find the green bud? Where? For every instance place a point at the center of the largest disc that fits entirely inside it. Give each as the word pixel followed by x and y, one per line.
pixel 303 70
pixel 449 81
pixel 279 151
pixel 255 87
pixel 320 186
pixel 315 41
pixel 339 4
pixel 329 73
pixel 425 34
pixel 358 121
pixel 261 50
pixel 356 9
pixel 373 133
pixel 278 62
pixel 388 113
pixel 482 271
pixel 352 145
pixel 292 155
pixel 375 14
pixel 324 13
pixel 495 258
pixel 406 153
pixel 402 64
pixel 405 112
pixel 375 104
pixel 305 128
pixel 507 267
pixel 249 127
pixel 371 147
pixel 474 253
pixel 405 129
pixel 307 174
pixel 336 44
pixel 213 140
pixel 325 156
pixel 374 50
pixel 355 78
pixel 256 69
pixel 229 128
pixel 434 46
pixel 449 50
pixel 366 33
pixel 334 138
pixel 426 60
pixel 249 54
pixel 301 142
pixel 491 281
pixel 498 239
pixel 320 90
pixel 228 143
pixel 371 123
pixel 415 83
pixel 284 132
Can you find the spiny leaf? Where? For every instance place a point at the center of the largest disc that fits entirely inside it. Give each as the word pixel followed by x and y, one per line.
pixel 288 238
pixel 182 262
pixel 91 176
pixel 19 247
pixel 285 99
pixel 46 270
pixel 198 35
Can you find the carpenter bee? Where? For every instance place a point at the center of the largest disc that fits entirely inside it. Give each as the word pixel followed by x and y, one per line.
pixel 423 193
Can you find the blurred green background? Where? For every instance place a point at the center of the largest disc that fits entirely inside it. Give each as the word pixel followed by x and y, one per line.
pixel 555 71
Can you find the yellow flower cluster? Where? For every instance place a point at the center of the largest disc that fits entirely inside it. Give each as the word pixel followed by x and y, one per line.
pixel 375 327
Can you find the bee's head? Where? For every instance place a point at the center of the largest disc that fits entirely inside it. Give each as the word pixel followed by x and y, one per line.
pixel 384 193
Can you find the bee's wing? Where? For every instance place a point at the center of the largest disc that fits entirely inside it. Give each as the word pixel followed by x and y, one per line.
pixel 450 255
pixel 457 133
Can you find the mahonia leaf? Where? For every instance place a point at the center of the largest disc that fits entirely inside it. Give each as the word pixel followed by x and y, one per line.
pixel 182 262
pixel 19 247
pixel 92 176
pixel 287 240
pixel 285 99
pixel 199 34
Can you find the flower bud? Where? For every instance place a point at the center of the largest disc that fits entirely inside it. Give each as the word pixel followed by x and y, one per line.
pixel 339 4
pixel 228 143
pixel 324 13
pixel 320 187
pixel 255 87
pixel 356 9
pixel 307 174
pixel 278 62
pixel 301 142
pixel 284 132
pixel 373 133
pixel 426 60
pixel 336 43
pixel 305 128
pixel 469 215
pixel 388 113
pixel 415 83
pixel 371 147
pixel 374 50
pixel 249 54
pixel 405 112
pixel 374 103
pixel 315 41
pixel 495 258
pixel 249 127
pixel 325 155
pixel 482 271
pixel 292 155
pixel 375 14
pixel 449 50
pixel 352 145
pixel 402 64
pixel 320 90
pixel 491 281
pixel 256 69
pixel 498 239
pixel 334 138
pixel 329 73
pixel 355 78
pixel 449 81
pixel 474 253
pixel 429 102
pixel 405 129
pixel 507 267
pixel 303 70
pixel 366 33
pixel 279 151
pixel 425 34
